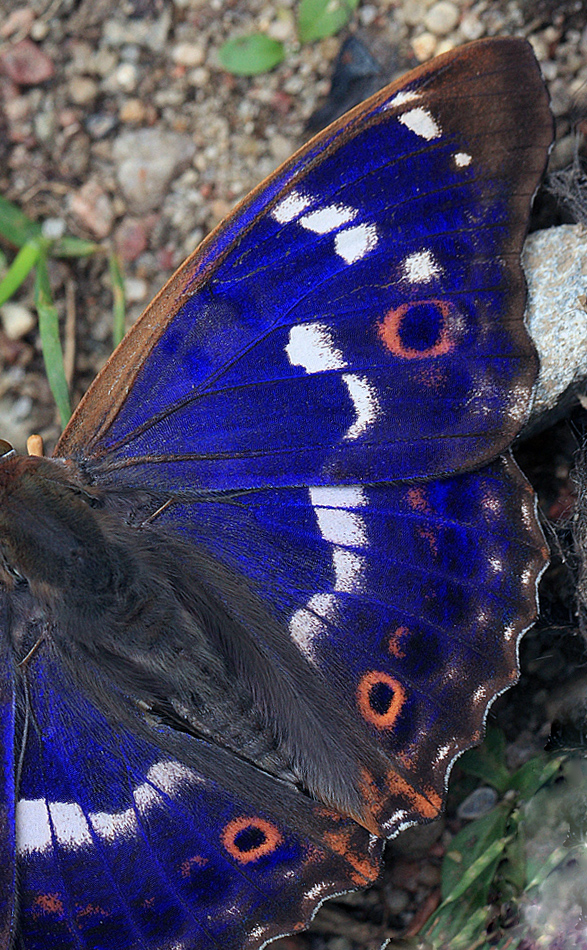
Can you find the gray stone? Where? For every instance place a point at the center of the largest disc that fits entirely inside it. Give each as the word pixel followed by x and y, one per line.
pixel 146 161
pixel 478 803
pixel 555 263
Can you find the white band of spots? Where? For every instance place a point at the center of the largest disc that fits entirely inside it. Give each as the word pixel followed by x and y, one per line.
pixel 421 267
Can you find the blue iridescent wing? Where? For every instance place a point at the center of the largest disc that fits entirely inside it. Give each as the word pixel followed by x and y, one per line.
pixel 8 906
pixel 350 334
pixel 409 598
pixel 358 318
pixel 122 844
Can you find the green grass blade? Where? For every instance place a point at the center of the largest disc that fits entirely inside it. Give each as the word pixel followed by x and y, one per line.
pixel 119 304
pixel 50 341
pixel 19 270
pixel 15 226
pixel 477 868
pixel 68 246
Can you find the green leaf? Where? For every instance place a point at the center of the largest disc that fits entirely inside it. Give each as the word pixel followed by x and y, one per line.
pixel 250 55
pixel 19 270
pixel 473 850
pixel 488 761
pixel 50 341
pixel 320 18
pixel 513 871
pixel 118 324
pixel 15 226
pixel 460 928
pixel 530 778
pixel 539 869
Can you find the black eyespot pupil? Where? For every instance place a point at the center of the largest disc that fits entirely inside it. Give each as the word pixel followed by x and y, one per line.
pixel 421 327
pixel 249 839
pixel 380 698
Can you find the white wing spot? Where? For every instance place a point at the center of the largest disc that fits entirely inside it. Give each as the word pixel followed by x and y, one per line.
pixel 365 401
pixel 338 496
pixel 36 820
pixel 462 159
pixel 291 207
pixel 510 632
pixel 353 243
pixel 304 628
pixel 421 267
pixel 398 821
pixel 341 527
pixel 120 824
pixel 401 98
pixel 328 219
pixel 422 123
pixel 71 829
pixel 496 564
pixel 442 753
pixel 311 346
pixel 349 569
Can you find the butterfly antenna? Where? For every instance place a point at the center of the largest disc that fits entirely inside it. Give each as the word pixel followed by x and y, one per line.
pixel 22 663
pixel 156 513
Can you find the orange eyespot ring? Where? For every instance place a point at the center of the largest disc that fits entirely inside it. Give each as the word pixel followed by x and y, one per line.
pixel 380 698
pixel 390 330
pixel 248 839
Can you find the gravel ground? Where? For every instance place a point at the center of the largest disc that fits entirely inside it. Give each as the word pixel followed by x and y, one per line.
pixel 117 119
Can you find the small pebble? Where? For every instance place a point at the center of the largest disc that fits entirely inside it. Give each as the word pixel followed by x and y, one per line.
pixel 100 124
pixel 135 289
pixel 93 208
pixel 26 64
pixel 131 239
pixel 411 12
pixel 39 30
pixel 126 77
pixel 442 18
pixel 471 26
pixel 478 803
pixel 83 90
pixel 424 47
pixel 19 21
pixel 188 54
pixel 17 320
pixel 132 112
pixel 53 228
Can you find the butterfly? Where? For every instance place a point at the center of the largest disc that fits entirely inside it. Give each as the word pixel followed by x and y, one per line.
pixel 276 570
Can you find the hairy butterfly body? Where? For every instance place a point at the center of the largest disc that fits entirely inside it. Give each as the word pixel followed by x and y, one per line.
pixel 278 568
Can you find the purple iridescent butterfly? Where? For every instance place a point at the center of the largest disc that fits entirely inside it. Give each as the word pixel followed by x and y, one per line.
pixel 277 570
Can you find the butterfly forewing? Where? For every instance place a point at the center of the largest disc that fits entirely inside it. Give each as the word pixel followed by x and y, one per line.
pixel 361 317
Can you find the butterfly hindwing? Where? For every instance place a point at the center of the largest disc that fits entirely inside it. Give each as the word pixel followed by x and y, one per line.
pixel 368 581
pixel 358 318
pixel 124 844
